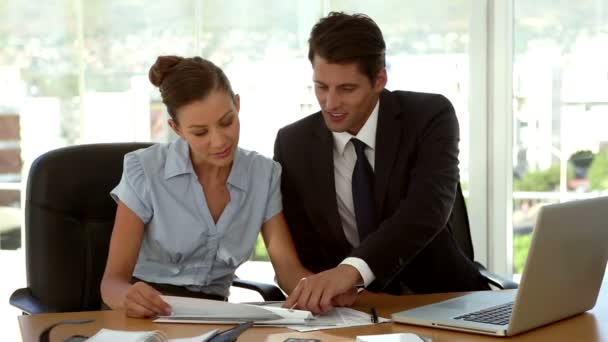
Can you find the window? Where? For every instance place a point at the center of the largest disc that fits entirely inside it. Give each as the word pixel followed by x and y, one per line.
pixel 560 108
pixel 263 51
pixel 119 102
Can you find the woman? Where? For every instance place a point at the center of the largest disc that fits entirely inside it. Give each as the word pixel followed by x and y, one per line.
pixel 189 212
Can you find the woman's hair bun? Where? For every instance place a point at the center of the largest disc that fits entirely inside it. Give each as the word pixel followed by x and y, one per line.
pixel 163 65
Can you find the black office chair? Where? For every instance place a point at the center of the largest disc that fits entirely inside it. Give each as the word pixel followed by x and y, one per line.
pixel 461 230
pixel 69 216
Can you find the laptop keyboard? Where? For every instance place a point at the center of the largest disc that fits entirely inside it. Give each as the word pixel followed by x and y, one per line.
pixel 499 315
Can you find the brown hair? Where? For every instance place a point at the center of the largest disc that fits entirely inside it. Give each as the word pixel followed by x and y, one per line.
pixel 182 81
pixel 344 38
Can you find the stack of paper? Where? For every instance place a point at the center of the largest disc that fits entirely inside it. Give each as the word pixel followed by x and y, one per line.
pixel 193 310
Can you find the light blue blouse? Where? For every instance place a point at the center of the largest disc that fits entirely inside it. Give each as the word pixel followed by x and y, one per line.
pixel 182 244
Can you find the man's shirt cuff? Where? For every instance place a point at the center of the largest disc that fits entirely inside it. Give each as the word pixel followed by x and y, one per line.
pixel 361 266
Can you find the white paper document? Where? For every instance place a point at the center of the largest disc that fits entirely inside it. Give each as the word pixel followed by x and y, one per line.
pixel 390 338
pixel 339 318
pixel 194 310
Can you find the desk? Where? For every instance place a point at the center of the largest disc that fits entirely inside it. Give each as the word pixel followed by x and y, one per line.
pixel 590 326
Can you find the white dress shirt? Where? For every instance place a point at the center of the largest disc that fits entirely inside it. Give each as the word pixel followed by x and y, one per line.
pixel 345 158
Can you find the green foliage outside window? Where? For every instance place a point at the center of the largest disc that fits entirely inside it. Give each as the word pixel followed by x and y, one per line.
pixel 598 172
pixel 521 244
pixel 542 180
pixel 260 253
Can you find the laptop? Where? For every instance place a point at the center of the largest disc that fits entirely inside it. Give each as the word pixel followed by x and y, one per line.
pixel 567 257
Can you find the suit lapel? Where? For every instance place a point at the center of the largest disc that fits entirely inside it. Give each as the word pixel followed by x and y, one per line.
pixel 322 165
pixel 388 138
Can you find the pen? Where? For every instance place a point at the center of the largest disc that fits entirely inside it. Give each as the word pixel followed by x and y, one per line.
pixel 374 316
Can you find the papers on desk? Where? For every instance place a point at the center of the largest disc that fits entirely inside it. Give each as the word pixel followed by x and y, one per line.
pixel 339 318
pixel 194 310
pixel 108 335
pixel 390 338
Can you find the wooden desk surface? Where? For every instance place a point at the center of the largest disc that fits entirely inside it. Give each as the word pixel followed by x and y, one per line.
pixel 590 326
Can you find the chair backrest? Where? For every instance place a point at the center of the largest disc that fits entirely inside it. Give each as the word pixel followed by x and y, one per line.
pixel 459 225
pixel 69 216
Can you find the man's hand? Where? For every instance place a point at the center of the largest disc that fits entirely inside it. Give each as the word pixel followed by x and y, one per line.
pixel 142 300
pixel 346 299
pixel 321 292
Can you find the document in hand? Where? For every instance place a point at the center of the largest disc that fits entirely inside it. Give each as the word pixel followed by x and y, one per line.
pixel 194 310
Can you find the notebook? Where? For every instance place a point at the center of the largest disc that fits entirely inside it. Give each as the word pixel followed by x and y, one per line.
pixel 403 337
pixel 228 335
pixel 109 335
pixel 567 257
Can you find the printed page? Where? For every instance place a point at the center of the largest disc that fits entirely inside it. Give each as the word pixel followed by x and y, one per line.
pixel 194 310
pixel 216 310
pixel 338 318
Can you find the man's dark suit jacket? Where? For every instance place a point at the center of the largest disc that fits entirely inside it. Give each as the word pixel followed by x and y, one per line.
pixel 416 174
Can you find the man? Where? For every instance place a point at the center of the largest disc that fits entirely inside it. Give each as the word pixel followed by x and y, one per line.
pixel 369 182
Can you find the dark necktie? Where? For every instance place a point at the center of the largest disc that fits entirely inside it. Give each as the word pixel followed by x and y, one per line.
pixel 363 192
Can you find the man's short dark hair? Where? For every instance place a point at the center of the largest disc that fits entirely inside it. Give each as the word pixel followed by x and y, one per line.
pixel 346 38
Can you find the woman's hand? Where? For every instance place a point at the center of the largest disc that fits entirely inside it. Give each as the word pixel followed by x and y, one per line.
pixel 142 300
